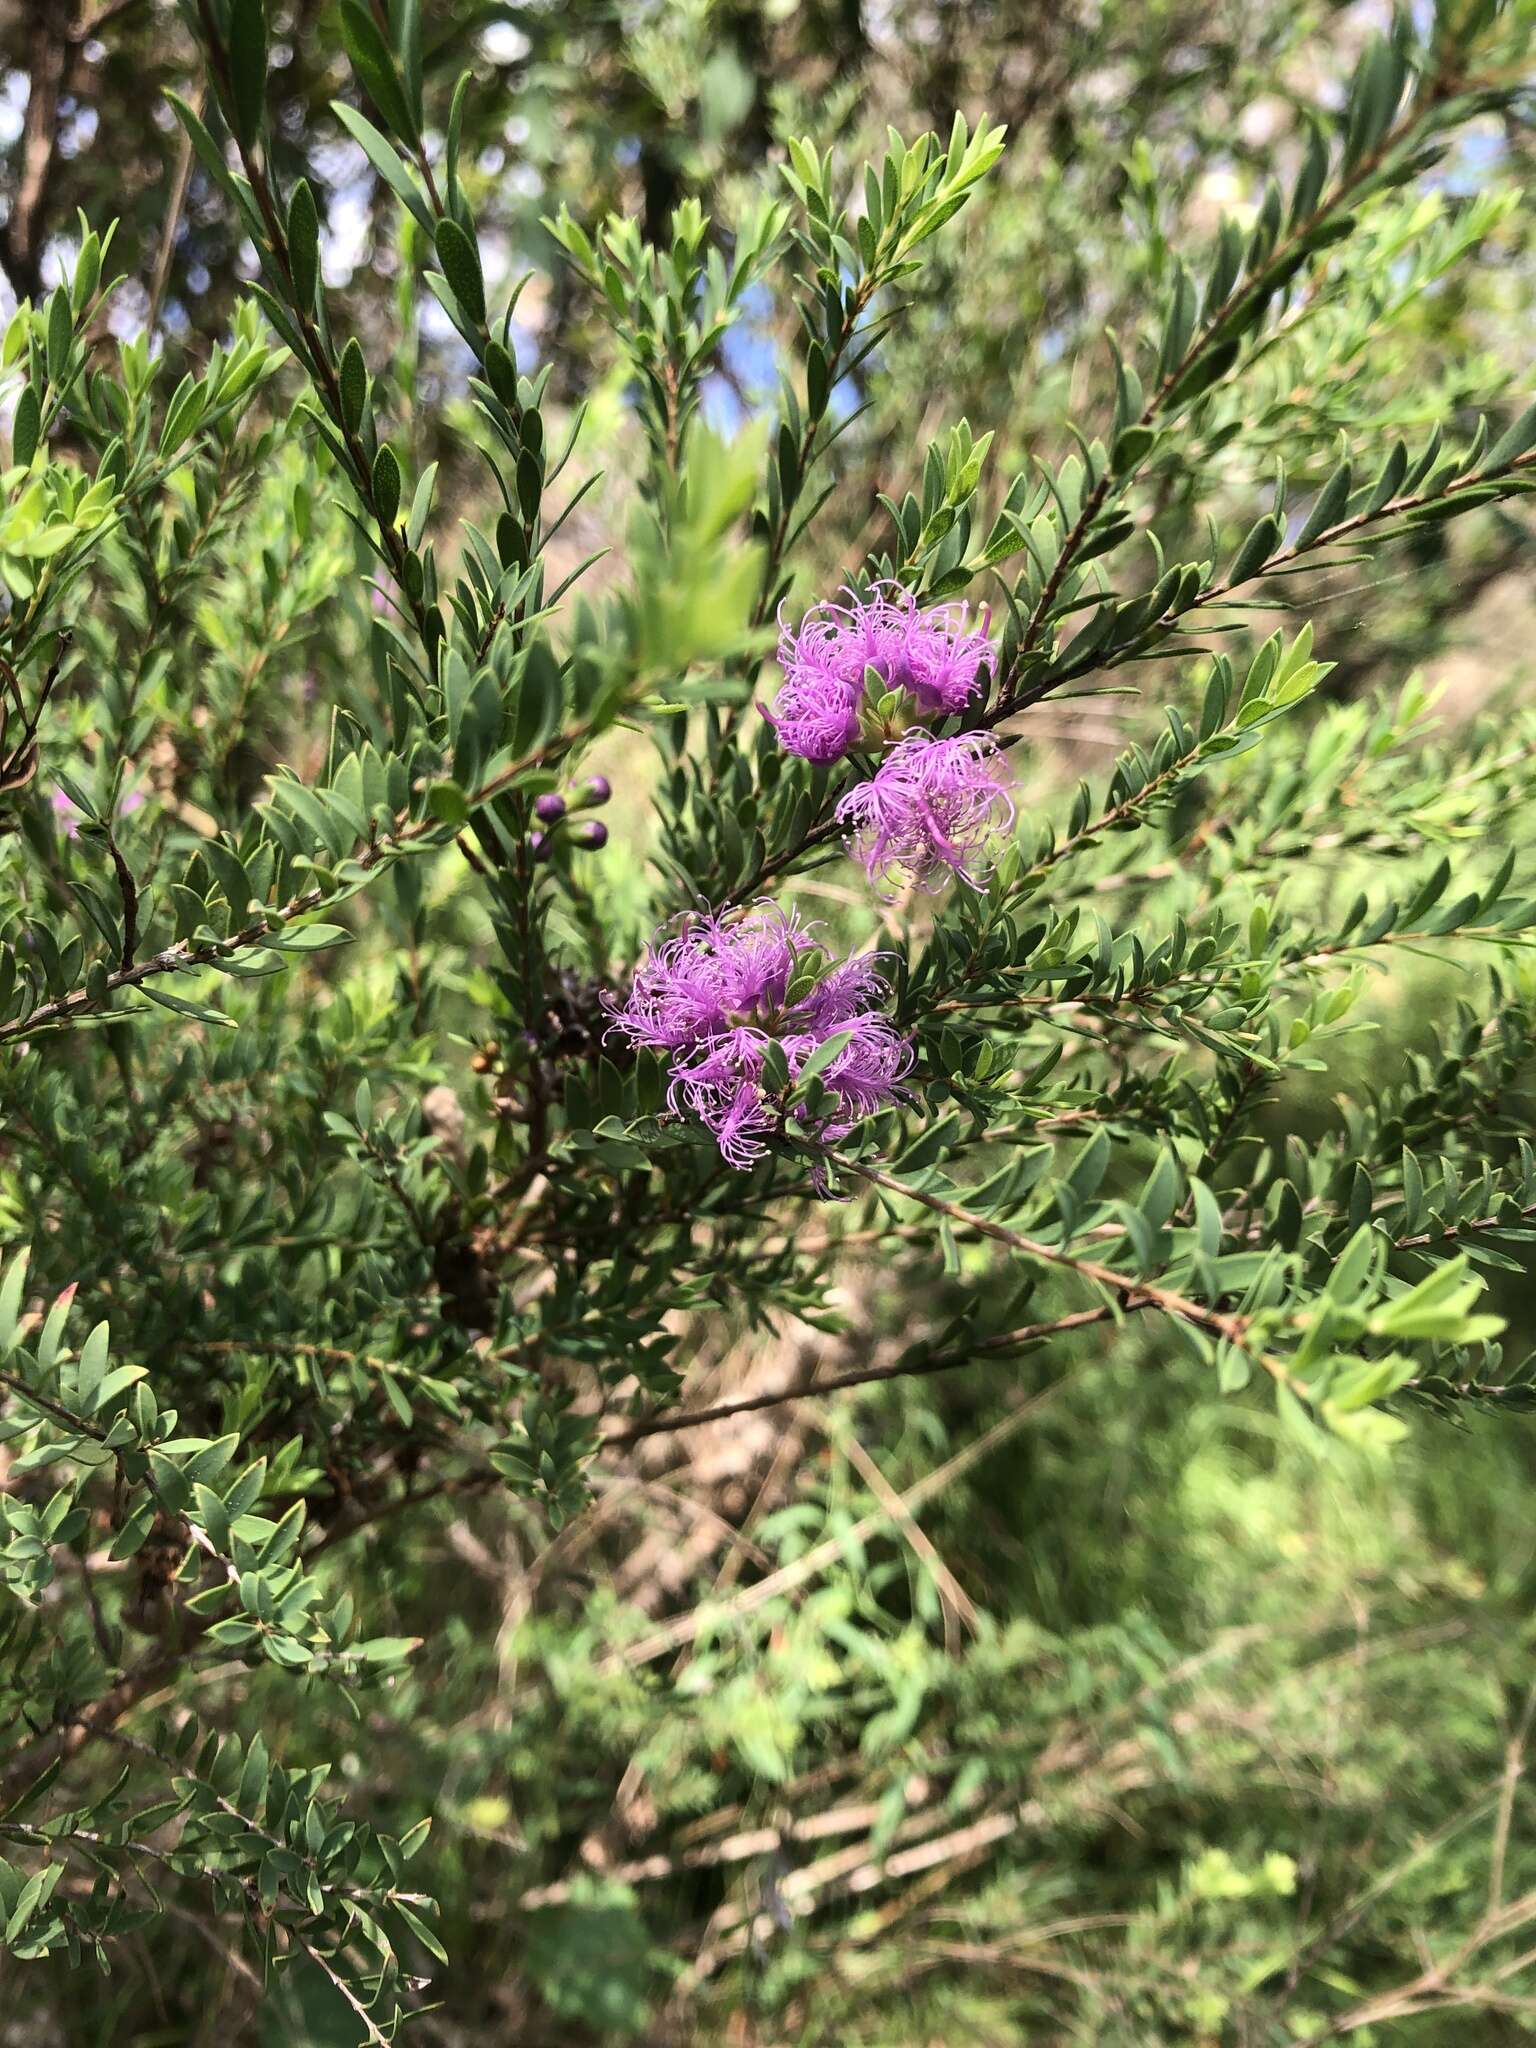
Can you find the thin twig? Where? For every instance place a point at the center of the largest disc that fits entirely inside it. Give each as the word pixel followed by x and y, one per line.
pixel 167 251
pixel 952 1594
pixel 684 1628
pixel 859 1376
pixel 1514 1765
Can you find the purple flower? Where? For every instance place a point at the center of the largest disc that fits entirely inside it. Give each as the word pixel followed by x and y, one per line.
pixel 842 994
pixel 946 657
pixel 865 1075
pixel 716 995
pixel 933 655
pixel 721 1085
pixel 933 808
pixel 712 976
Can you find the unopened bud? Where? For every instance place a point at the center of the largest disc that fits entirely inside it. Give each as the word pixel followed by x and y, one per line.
pixel 593 834
pixel 539 845
pixel 549 806
pixel 594 791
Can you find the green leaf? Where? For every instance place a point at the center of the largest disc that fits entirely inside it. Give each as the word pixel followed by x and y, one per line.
pixel 1368 1429
pixel 387 1649
pixel 87 274
pixel 1130 449
pixel 407 19
pixel 448 803
pixel 135 1531
pixel 251 1793
pixel 61 333
pixel 213 1515
pixel 91 1366
pixel 460 258
pixel 26 429
pixel 384 160
pixel 1512 444
pixel 209 155
pixel 304 244
pixel 352 380
pixel 1439 1308
pixel 11 1291
pixel 308 938
pixel 414 1836
pixel 245 1490
pixel 1208 368
pixel 1328 507
pixel 1261 542
pixel 386 485
pixel 182 415
pixel 421 506
pixel 279 316
pixel 247 67
pixel 421 1930
pixel 824 1055
pixel 374 63
pixel 200 1011
pixel 775 1070
pixel 502 374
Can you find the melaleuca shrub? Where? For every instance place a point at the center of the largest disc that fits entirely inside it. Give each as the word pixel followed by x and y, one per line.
pixel 436 973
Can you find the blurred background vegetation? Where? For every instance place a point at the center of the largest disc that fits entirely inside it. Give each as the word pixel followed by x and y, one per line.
pixel 1060 1703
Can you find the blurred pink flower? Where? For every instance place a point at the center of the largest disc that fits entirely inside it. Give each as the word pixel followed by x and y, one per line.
pixel 69 814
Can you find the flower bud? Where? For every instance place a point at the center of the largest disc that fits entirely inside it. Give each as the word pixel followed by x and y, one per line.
pixel 594 791
pixel 539 845
pixel 593 834
pixel 549 807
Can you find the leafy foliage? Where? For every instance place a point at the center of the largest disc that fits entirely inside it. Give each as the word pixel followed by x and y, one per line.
pixel 334 1204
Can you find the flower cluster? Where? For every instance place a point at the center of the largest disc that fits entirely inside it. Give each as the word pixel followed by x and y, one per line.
pixel 741 1005
pixel 553 810
pixel 933 655
pixel 934 808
